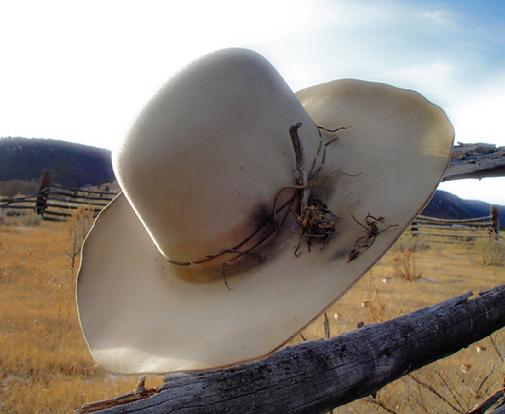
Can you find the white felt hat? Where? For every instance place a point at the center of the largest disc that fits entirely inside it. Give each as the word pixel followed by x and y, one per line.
pixel 226 241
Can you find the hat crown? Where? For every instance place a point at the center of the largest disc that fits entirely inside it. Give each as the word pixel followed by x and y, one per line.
pixel 205 159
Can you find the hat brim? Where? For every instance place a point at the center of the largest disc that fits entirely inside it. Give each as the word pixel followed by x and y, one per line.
pixel 138 316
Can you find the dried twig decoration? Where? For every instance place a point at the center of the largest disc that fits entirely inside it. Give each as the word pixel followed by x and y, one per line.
pixel 371 225
pixel 316 221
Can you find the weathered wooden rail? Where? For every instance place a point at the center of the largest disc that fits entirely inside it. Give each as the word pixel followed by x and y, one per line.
pixel 314 377
pixel 478 160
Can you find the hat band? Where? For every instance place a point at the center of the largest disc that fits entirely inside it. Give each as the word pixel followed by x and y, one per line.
pixel 316 221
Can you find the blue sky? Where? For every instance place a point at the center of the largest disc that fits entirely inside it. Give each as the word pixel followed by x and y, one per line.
pixel 81 71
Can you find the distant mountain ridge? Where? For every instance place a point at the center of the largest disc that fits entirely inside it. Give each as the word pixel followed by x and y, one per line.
pixel 69 164
pixel 77 165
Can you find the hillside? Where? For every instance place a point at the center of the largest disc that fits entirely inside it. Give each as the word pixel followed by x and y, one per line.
pixel 68 163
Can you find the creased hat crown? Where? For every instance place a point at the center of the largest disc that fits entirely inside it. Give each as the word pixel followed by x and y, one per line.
pixel 202 164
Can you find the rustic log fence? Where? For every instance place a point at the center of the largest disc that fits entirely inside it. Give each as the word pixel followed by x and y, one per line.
pixel 477 160
pixel 55 203
pixel 457 231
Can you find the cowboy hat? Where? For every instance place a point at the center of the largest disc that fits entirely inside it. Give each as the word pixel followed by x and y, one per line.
pixel 247 210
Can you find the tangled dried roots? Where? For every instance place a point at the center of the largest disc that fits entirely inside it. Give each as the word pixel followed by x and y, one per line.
pixel 318 224
pixel 371 225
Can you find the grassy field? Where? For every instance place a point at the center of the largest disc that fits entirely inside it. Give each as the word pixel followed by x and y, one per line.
pixel 45 366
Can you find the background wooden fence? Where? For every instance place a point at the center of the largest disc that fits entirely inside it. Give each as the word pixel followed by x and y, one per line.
pixel 55 203
pixel 457 231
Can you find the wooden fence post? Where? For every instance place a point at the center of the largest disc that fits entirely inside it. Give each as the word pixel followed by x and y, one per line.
pixel 43 193
pixel 414 229
pixel 495 221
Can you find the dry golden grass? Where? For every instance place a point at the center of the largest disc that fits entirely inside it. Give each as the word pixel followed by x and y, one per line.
pixel 44 363
pixel 45 366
